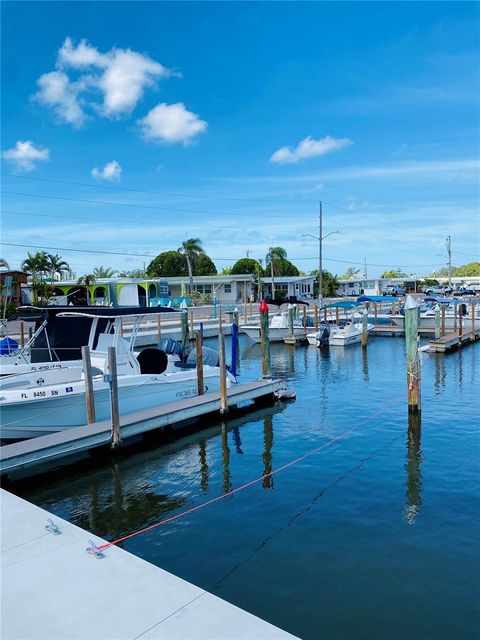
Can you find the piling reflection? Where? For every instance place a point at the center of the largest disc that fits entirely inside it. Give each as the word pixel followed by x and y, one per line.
pixel 267 482
pixel 112 513
pixel 413 469
pixel 237 441
pixel 204 472
pixel 365 364
pixel 227 477
pixel 439 371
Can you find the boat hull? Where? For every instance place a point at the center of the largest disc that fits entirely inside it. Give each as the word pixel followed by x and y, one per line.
pixel 275 334
pixel 40 411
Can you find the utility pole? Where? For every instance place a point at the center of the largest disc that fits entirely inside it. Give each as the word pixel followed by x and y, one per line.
pixel 320 274
pixel 449 251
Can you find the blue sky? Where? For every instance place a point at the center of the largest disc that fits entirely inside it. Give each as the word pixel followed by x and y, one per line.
pixel 128 127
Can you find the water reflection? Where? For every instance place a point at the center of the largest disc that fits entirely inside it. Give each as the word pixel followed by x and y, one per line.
pixel 227 477
pixel 237 441
pixel 267 482
pixel 440 373
pixel 365 364
pixel 413 469
pixel 204 473
pixel 111 514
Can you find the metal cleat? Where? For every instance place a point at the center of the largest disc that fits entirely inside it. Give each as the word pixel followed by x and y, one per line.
pixel 94 550
pixel 52 527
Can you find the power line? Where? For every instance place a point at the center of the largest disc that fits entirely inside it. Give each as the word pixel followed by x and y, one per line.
pixel 147 255
pixel 166 193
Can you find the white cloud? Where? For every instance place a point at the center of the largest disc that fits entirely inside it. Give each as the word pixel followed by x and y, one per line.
pixel 309 148
pixel 24 155
pixel 119 76
pixel 58 92
pixel 171 123
pixel 112 171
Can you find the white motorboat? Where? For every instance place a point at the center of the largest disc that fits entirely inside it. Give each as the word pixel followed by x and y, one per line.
pixel 320 338
pixel 427 315
pixel 346 334
pixel 35 404
pixel 278 326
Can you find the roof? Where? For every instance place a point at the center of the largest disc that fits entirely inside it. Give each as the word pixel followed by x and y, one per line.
pixel 211 279
pixel 286 279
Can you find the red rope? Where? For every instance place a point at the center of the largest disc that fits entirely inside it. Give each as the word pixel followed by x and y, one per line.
pixel 252 482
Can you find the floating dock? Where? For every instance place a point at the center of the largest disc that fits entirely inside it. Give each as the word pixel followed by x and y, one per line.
pixel 39 451
pixel 453 341
pixel 52 589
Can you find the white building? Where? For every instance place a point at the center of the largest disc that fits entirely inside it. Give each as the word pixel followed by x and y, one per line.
pixel 228 288
pixel 294 286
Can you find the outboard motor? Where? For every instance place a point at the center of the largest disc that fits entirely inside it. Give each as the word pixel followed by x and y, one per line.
pixel 324 332
pixel 209 357
pixel 171 347
pixel 463 309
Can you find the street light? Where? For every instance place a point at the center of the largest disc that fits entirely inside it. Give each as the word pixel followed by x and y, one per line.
pixel 320 274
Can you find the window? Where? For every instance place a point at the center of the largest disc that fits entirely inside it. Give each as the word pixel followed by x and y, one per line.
pixel 208 288
pixel 227 288
pixel 163 289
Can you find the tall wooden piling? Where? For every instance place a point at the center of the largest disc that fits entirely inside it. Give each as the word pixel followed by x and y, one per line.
pixel 159 327
pixel 364 329
pixel 113 382
pixel 22 334
pixel 315 316
pixel 264 339
pixel 222 367
pixel 412 317
pixel 87 375
pixel 472 311
pixel 184 328
pixel 443 320
pixel 199 354
pixel 337 319
pixel 192 332
pixel 438 322
pixel 460 324
pixel 325 314
pixel 305 318
pixel 290 319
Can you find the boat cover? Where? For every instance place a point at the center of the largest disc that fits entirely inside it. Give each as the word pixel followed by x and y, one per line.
pixel 343 304
pixel 377 299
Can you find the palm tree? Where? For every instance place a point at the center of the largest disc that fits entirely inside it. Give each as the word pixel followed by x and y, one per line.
pixel 191 248
pixel 85 281
pixel 103 272
pixel 275 253
pixel 56 264
pixel 4 263
pixel 35 265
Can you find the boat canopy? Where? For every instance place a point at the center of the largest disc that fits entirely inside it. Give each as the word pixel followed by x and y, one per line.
pixel 377 299
pixel 444 300
pixel 31 312
pixel 343 304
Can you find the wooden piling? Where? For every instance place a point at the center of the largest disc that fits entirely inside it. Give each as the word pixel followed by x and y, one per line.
pixel 199 353
pixel 264 339
pixel 22 335
pixel 412 317
pixel 315 316
pixel 290 319
pixel 113 382
pixel 364 329
pixel 460 325
pixel 438 327
pixel 325 313
pixel 337 320
pixel 87 374
pixel 305 318
pixel 251 308
pixel 472 311
pixel 184 321
pixel 443 320
pixel 159 327
pixel 192 332
pixel 223 373
pixel 455 317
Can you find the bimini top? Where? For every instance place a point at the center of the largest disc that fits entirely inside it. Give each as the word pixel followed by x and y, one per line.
pixel 343 304
pixel 29 312
pixel 289 300
pixel 377 299
pixel 444 300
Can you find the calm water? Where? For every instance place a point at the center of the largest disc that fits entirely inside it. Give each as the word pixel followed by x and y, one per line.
pixel 375 536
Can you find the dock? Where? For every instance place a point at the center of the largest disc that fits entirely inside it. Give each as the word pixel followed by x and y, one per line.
pixel 53 589
pixel 38 452
pixel 453 340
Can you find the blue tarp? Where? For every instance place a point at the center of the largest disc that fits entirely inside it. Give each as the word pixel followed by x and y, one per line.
pixel 344 304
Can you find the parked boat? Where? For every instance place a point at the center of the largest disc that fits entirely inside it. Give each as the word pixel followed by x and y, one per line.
pixel 347 334
pixel 34 405
pixel 453 307
pixel 278 325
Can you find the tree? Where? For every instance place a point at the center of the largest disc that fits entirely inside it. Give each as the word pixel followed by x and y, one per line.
pixel 202 265
pixel 284 267
pixel 134 273
pixel 470 269
pixel 245 265
pixel 35 265
pixel 167 264
pixel 57 265
pixel 394 274
pixel 191 248
pixel 274 254
pixel 4 263
pixel 86 280
pixel 329 283
pixel 352 272
pixel 103 272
